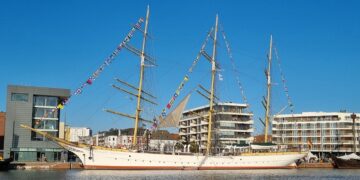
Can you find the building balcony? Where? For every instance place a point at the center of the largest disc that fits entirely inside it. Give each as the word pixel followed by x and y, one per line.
pixel 332 150
pixel 237 130
pixel 197 115
pixel 203 130
pixel 235 112
pixel 193 123
pixel 234 139
pixel 192 139
pixel 192 132
pixel 232 136
pixel 236 121
pixel 182 126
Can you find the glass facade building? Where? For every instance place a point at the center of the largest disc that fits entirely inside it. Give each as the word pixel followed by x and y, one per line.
pixel 45 116
pixel 34 107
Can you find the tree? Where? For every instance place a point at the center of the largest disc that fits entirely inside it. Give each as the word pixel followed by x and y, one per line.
pixel 179 146
pixel 194 148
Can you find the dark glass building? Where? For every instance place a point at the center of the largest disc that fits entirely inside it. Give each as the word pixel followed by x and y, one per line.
pixel 34 107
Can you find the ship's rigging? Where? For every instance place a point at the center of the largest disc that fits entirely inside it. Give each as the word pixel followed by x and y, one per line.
pixel 146 60
pixel 269 83
pixel 106 158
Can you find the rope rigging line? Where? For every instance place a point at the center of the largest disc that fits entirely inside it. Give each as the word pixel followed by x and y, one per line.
pixel 62 102
pixel 234 69
pixel 291 105
pixel 186 78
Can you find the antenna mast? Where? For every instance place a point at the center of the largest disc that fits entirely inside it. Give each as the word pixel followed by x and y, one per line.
pixel 142 66
pixel 268 77
pixel 213 72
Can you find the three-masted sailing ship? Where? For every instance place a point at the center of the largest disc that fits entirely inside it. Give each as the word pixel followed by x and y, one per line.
pixel 93 157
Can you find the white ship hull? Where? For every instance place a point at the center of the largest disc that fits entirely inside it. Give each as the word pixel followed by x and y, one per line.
pixel 110 159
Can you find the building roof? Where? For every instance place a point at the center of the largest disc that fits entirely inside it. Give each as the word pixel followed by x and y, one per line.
pixel 34 87
pixel 39 90
pixel 218 104
pixel 79 128
pixel 164 135
pixel 342 115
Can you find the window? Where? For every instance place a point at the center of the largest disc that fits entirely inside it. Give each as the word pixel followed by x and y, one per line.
pixel 314 140
pixel 333 140
pixel 45 116
pixel 45 113
pixel 295 140
pixel 227 133
pixel 303 133
pixel 225 124
pixel 19 97
pixel 303 139
pixel 45 101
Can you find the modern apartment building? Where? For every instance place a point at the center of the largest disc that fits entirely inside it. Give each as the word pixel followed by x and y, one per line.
pixel 34 107
pixel 232 125
pixel 328 132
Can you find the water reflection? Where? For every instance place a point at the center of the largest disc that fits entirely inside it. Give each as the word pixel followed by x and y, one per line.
pixel 162 175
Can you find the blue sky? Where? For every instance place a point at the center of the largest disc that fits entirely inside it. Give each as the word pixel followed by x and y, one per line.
pixel 61 43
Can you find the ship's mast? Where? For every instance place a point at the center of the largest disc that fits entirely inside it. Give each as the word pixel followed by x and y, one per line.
pixel 268 77
pixel 213 72
pixel 142 66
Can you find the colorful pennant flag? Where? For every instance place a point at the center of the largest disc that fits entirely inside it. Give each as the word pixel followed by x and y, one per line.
pixel 107 62
pixel 186 78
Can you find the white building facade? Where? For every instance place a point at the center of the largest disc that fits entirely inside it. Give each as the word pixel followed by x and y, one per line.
pixel 166 145
pixel 232 125
pixel 329 132
pixel 111 141
pixel 76 132
pixel 99 139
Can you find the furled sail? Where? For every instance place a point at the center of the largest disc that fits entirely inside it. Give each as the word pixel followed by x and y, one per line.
pixel 350 156
pixel 172 119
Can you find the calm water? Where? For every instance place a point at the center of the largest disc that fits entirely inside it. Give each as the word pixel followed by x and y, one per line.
pixel 188 175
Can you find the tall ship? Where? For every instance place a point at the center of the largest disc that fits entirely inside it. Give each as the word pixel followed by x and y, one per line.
pixel 94 157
